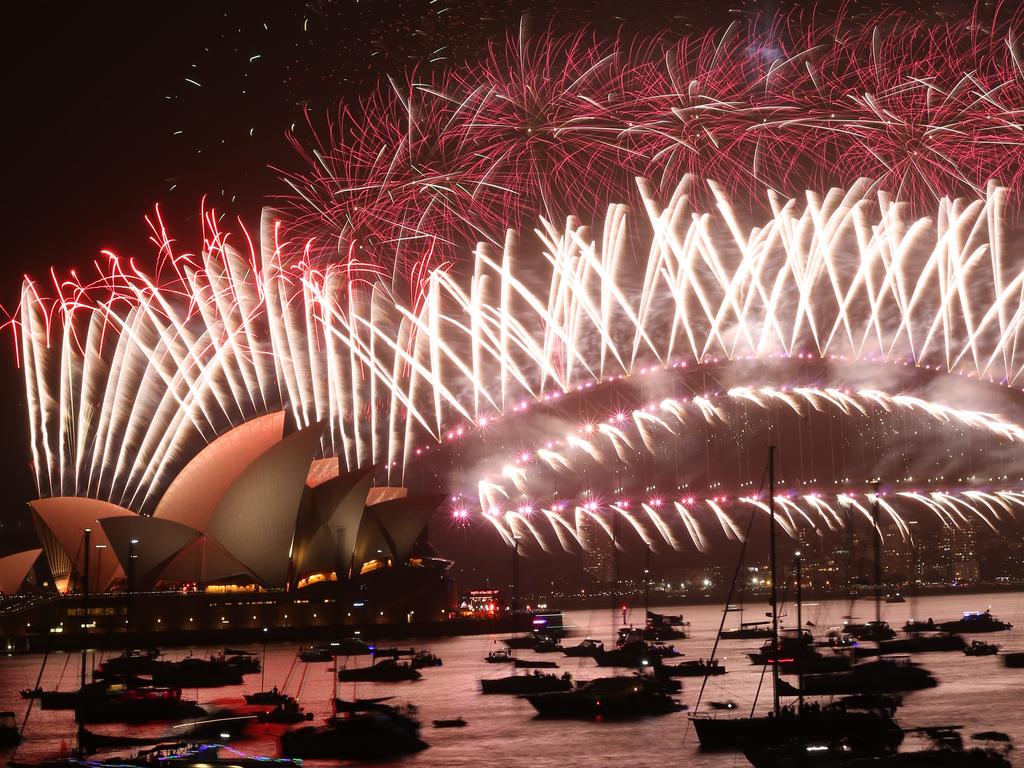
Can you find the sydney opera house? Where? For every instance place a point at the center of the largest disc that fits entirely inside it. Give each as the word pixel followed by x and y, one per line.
pixel 253 532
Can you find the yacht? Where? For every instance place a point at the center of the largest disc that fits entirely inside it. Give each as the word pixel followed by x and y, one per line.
pixel 889 674
pixel 383 671
pixel 588 647
pixel 946 750
pixel 797 654
pixel 527 684
pixel 196 673
pixel 615 697
pixel 379 734
pixel 699 668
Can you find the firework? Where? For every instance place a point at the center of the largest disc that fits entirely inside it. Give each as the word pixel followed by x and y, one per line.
pixel 129 374
pixel 557 125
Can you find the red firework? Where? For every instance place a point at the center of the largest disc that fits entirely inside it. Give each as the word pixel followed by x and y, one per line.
pixel 559 125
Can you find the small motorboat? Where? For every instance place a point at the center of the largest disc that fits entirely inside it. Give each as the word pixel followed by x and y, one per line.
pixel 500 656
pixel 981 648
pixel 31 693
pixel 699 668
pixel 273 696
pixel 315 653
pixel 456 722
pixel 547 645
pixel 720 705
pixel 588 647
pixel 285 713
pixel 423 659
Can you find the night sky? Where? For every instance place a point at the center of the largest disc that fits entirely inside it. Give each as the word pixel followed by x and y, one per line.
pixel 112 108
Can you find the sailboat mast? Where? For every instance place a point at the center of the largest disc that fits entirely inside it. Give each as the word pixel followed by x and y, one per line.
pixel 647 584
pixel 799 630
pixel 772 569
pixel 878 561
pixel 79 701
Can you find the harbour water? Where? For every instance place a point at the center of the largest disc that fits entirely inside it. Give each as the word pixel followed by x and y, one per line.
pixel 976 693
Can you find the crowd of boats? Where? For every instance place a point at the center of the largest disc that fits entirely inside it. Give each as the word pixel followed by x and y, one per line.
pixel 835 700
pixel 844 692
pixel 141 686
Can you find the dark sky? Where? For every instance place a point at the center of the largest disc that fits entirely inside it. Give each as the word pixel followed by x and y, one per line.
pixel 114 107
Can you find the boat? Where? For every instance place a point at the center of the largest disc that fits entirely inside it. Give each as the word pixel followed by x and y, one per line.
pixel 9 734
pixel 424 659
pixel 870 732
pixel 748 630
pixel 885 702
pixel 92 742
pixel 633 654
pixel 244 662
pixel 95 690
pixel 273 696
pixel 1014 660
pixel 605 697
pixel 527 684
pixel 585 648
pixel 178 754
pixel 524 642
pixel 196 673
pixel 895 599
pixel 130 662
pixel 456 722
pixel 285 713
pixel 31 693
pixel 720 705
pixel 972 622
pixel 699 668
pixel 547 645
pixel 926 642
pixel 364 705
pixel 888 674
pixel 947 750
pixel 315 653
pixel 137 705
pixel 871 630
pixel 795 653
pixel 980 648
pixel 500 656
pixel 376 735
pixel 528 664
pixel 659 627
pixel 351 646
pixel 383 671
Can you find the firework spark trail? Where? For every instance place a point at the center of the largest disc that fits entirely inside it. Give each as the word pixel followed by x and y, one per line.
pixel 126 374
